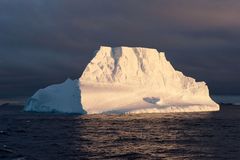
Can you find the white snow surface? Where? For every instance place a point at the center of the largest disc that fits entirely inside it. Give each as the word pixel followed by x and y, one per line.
pixel 126 80
pixel 64 97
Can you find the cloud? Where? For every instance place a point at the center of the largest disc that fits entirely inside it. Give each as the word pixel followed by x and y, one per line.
pixel 44 42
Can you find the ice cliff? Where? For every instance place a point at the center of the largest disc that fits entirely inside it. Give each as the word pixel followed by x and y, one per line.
pixel 133 80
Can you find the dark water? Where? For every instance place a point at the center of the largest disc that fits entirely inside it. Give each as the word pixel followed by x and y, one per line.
pixel 37 136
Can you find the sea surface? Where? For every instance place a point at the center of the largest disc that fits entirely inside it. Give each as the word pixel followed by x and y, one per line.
pixel 227 99
pixel 45 136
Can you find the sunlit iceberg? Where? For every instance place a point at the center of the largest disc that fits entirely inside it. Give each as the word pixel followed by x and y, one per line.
pixel 126 80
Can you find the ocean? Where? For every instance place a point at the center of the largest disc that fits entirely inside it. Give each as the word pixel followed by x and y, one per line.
pixel 46 136
pixel 227 99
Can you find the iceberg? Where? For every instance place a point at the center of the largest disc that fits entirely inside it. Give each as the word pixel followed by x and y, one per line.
pixel 64 98
pixel 126 80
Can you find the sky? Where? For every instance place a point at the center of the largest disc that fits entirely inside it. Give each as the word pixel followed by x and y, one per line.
pixel 45 42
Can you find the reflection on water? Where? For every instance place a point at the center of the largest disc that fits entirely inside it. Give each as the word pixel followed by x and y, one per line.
pixel 213 135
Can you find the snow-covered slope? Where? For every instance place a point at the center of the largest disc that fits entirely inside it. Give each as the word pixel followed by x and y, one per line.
pixel 64 97
pixel 139 80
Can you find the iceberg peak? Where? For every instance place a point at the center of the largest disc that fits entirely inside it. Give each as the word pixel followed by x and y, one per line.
pixel 141 73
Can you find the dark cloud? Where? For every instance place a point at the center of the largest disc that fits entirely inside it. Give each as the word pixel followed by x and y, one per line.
pixel 44 42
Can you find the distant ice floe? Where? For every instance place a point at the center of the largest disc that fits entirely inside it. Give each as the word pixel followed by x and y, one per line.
pixel 227 99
